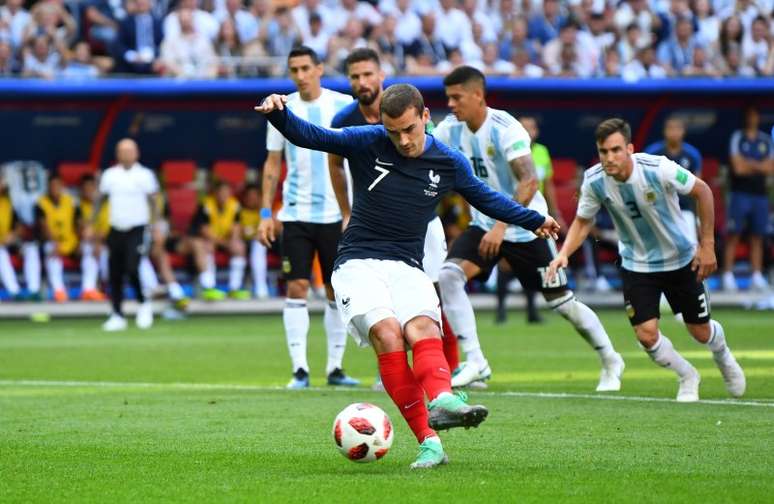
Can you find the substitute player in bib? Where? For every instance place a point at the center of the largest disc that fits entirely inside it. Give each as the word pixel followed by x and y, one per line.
pixel 10 227
pixel 499 150
pixel 367 80
pixel 311 220
pixel 658 252
pixel 399 174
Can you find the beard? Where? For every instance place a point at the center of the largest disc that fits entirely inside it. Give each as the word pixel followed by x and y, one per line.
pixel 367 97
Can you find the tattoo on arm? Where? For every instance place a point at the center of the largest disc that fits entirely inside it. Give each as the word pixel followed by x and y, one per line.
pixel 524 169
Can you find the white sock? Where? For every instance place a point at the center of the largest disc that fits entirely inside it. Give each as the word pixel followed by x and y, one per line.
pixel 31 255
pixel 586 323
pixel 258 267
pixel 665 355
pixel 55 272
pixel 89 268
pixel 104 264
pixel 7 274
pixel 337 337
pixel 207 277
pixel 459 312
pixel 717 341
pixel 175 291
pixel 295 316
pixel 148 279
pixel 236 272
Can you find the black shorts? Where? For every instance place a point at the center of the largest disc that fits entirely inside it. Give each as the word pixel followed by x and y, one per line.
pixel 528 260
pixel 685 294
pixel 300 241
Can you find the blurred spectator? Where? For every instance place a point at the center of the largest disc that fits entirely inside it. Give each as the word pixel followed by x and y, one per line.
pixel 453 60
pixel 747 10
pixel 472 10
pixel 103 17
pixel 755 48
pixel 350 37
pixel 245 23
pixel 502 18
pixel 427 50
pixel 8 64
pixel 701 65
pixel 677 52
pixel 523 67
pixel 13 19
pixel 644 66
pixel 731 32
pixel 302 16
pixel 545 26
pixel 733 65
pixel 518 40
pixel 751 153
pixel 637 12
pixel 601 32
pixel 362 11
pixel 452 26
pixel 56 217
pixel 491 64
pixel 409 24
pixel 204 22
pixel 611 65
pixel 317 38
pixel 385 42
pixel 708 24
pixel 139 38
pixel 281 34
pixel 41 59
pixel 51 19
pixel 572 53
pixel 80 66
pixel 188 53
pixel 675 148
pixel 630 44
pixel 228 49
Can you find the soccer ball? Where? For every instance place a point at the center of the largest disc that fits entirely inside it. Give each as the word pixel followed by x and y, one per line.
pixel 362 432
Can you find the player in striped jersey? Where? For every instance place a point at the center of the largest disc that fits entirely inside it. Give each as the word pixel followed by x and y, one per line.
pixel 311 220
pixel 658 252
pixel 499 150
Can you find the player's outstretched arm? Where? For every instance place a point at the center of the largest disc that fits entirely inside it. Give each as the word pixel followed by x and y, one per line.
pixel 579 230
pixel 498 206
pixel 310 136
pixel 704 262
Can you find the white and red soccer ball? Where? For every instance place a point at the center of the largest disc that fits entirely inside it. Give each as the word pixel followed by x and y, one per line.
pixel 363 432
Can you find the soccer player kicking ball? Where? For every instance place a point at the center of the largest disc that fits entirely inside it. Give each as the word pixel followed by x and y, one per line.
pixel 399 174
pixel 658 251
pixel 498 147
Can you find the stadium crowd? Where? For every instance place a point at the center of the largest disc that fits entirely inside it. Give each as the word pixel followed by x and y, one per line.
pixel 631 39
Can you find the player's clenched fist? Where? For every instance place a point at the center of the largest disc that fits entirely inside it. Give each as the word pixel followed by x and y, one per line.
pixel 549 229
pixel 271 103
pixel 266 231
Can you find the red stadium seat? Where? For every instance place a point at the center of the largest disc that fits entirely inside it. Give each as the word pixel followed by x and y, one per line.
pixel 710 170
pixel 232 172
pixel 565 171
pixel 567 201
pixel 72 173
pixel 178 173
pixel 182 207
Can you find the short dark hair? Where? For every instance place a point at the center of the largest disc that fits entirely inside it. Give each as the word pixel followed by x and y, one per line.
pixel 362 54
pixel 304 51
pixel 465 75
pixel 398 98
pixel 614 125
pixel 87 178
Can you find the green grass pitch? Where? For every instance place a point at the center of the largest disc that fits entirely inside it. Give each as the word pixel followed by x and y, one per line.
pixel 193 411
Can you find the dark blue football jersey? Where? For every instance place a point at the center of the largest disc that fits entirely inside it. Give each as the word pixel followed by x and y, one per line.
pixel 350 115
pixel 688 157
pixel 396 196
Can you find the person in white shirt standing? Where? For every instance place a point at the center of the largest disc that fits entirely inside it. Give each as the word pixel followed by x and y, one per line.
pixel 310 215
pixel 130 189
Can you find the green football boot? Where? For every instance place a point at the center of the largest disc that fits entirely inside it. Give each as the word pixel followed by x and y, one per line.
pixel 450 410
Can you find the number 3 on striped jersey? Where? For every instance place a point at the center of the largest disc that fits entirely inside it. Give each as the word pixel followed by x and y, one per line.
pixel 384 172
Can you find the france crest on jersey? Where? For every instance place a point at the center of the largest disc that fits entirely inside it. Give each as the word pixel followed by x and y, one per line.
pixel 27 181
pixel 498 141
pixel 653 234
pixel 307 194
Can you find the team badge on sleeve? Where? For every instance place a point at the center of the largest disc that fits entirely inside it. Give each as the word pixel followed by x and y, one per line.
pixel 682 176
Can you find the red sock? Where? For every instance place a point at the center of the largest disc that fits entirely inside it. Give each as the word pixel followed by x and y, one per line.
pixel 400 384
pixel 430 367
pixel 450 349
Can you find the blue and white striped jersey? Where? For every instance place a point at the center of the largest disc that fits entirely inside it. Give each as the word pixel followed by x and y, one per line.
pixel 498 141
pixel 307 194
pixel 653 235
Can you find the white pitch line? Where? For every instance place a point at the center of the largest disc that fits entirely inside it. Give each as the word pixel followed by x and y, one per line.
pixel 259 388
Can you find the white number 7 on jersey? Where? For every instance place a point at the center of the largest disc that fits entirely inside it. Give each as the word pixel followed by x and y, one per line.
pixel 378 179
